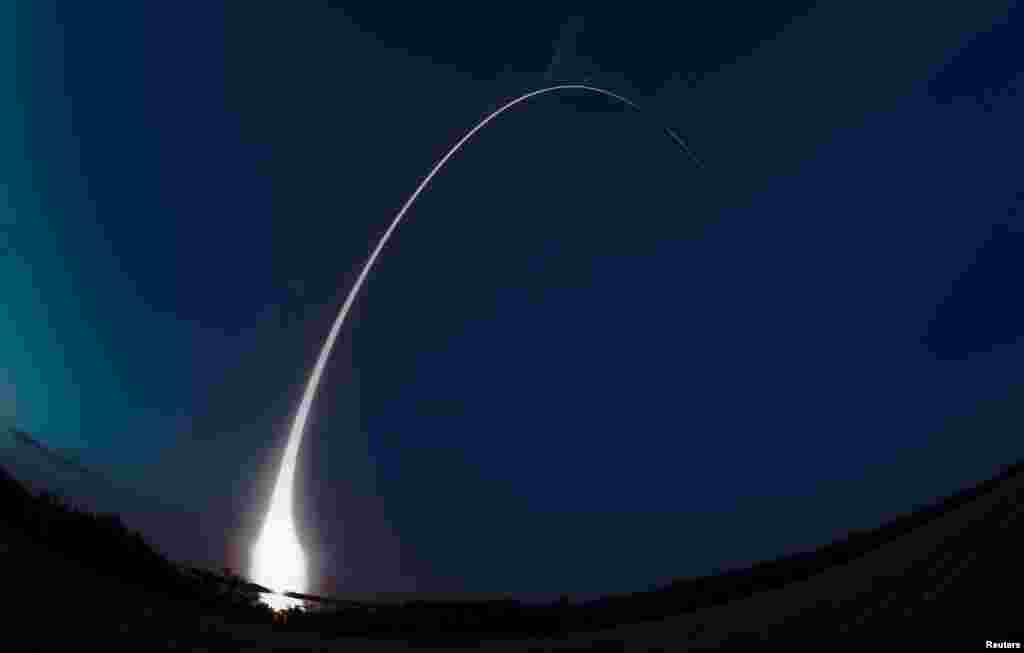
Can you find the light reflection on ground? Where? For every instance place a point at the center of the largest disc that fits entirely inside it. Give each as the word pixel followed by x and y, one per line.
pixel 280 602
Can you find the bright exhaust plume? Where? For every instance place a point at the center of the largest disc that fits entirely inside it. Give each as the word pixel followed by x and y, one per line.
pixel 278 561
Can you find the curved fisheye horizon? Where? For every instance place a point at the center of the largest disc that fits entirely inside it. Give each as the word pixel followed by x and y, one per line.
pixel 603 393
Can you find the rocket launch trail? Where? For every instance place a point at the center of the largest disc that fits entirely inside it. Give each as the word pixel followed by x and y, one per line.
pixel 278 561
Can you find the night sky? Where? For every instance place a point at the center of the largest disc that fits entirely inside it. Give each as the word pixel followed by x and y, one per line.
pixel 583 365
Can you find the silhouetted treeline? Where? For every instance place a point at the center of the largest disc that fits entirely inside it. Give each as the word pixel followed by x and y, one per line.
pixel 453 623
pixel 103 543
pixel 692 594
pixel 965 584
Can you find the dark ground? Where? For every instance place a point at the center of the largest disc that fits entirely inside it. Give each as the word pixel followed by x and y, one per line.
pixel 946 573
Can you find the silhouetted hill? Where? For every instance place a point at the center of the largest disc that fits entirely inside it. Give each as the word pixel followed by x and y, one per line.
pixel 97 541
pixel 41 468
pixel 846 587
pixel 880 554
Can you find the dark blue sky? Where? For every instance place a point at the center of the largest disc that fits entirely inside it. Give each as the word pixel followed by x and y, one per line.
pixel 582 365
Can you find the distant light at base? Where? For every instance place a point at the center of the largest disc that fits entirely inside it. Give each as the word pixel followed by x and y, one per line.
pixel 280 602
pixel 278 562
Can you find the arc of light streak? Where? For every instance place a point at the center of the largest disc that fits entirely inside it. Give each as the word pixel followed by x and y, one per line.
pixel 301 416
pixel 282 489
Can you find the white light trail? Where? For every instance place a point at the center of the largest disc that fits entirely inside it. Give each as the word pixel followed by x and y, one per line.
pixel 278 561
